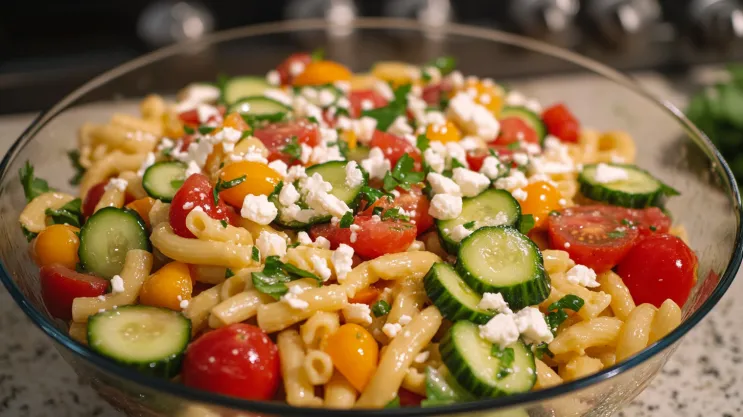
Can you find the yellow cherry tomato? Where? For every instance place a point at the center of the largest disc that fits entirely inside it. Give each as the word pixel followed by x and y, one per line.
pixel 355 353
pixel 395 72
pixel 487 94
pixel 541 199
pixel 235 121
pixel 448 132
pixel 57 244
pixel 167 287
pixel 322 72
pixel 259 179
pixel 143 207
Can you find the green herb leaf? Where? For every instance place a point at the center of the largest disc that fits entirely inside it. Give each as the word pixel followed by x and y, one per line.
pixel 28 234
pixel 228 273
pixel 628 223
pixel 226 185
pixel 256 255
pixel 74 156
pixel 346 220
pixel 505 358
pixel 555 319
pixel 526 224
pixel 395 403
pixel 541 350
pixel 402 175
pixel 425 75
pixel 223 223
pixel 293 149
pixel 205 130
pixel 188 129
pixel 380 308
pixel 318 54
pixel 292 245
pixel 394 214
pixel 377 211
pixel 569 302
pixel 652 228
pixel 514 146
pixel 70 213
pixel 616 234
pixel 32 186
pixel 422 143
pixel 445 64
pixel 387 114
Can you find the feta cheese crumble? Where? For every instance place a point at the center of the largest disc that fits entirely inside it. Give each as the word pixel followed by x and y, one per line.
pixel 442 185
pixel 445 206
pixel 116 184
pixel 471 183
pixel 149 160
pixel 500 330
pixel 494 302
pixel 391 329
pixel 520 194
pixel 358 313
pixel 279 166
pixel 376 164
pixel 473 118
pixel 288 195
pixel 491 167
pixel 606 174
pixel 271 244
pixel 404 319
pixel 342 259
pixel 532 326
pixel 258 209
pixel 192 169
pixel 583 276
pixel 292 300
pixel 459 232
pixel 320 266
pixel 354 176
pixel 117 284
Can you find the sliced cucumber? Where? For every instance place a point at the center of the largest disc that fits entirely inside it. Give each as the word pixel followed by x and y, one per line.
pixel 359 153
pixel 468 357
pixel 150 339
pixel 333 172
pixel 529 117
pixel 490 208
pixel 106 238
pixel 639 190
pixel 500 259
pixel 451 295
pixel 258 106
pixel 240 87
pixel 163 179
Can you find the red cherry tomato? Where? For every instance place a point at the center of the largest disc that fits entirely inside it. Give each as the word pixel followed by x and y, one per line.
pixel 648 221
pixel 276 136
pixel 284 69
pixel 514 130
pixel 191 117
pixel 432 93
pixel 592 235
pixel 358 97
pixel 394 147
pixel 412 201
pixel 239 360
pixel 196 191
pixel 374 239
pixel 409 399
pixel 92 197
pixel 657 268
pixel 560 122
pixel 476 157
pixel 61 285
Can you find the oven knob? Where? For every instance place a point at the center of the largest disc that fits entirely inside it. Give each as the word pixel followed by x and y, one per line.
pixel 164 22
pixel 543 18
pixel 718 22
pixel 432 13
pixel 339 14
pixel 619 21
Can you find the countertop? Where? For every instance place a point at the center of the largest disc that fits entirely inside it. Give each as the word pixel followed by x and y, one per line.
pixel 704 377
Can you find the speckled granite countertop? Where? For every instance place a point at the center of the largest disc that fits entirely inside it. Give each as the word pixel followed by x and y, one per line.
pixel 703 378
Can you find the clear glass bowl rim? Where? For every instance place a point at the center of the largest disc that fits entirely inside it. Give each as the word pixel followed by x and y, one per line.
pixel 187 393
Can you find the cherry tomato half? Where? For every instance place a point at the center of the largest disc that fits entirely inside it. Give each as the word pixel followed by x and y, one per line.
pixel 354 352
pixel 659 267
pixel 360 97
pixel 276 136
pixel 374 239
pixel 560 122
pixel 61 285
pixel 412 201
pixel 284 69
pixel 93 197
pixel 394 147
pixel 196 191
pixel 592 235
pixel 514 130
pixel 238 360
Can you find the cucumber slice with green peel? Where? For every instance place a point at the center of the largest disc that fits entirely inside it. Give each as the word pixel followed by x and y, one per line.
pixel 490 208
pixel 149 339
pixel 163 179
pixel 358 154
pixel 240 87
pixel 469 359
pixel 333 172
pixel 500 259
pixel 451 295
pixel 106 238
pixel 529 117
pixel 258 106
pixel 639 190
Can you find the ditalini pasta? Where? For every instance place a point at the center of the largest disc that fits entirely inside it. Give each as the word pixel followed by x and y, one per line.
pixel 336 240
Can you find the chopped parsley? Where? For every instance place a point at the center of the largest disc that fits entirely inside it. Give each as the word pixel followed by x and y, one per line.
pixel 556 311
pixel 395 403
pixel 371 195
pixel 228 273
pixel 469 225
pixel 272 280
pixel 74 156
pixel 346 220
pixel 256 254
pixel 425 75
pixel 394 214
pixel 318 54
pixel 445 64
pixel 70 213
pixel 652 228
pixel 527 223
pixel 377 211
pixel 28 234
pixel 293 149
pixel 514 146
pixel 505 357
pixel 32 186
pixel 616 234
pixel 188 129
pixel 422 142
pixel 395 108
pixel 226 185
pixel 628 223
pixel 541 350
pixel 205 130
pixel 402 175
pixel 223 223
pixel 380 308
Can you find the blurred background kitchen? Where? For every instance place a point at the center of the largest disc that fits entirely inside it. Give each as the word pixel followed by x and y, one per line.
pixel 49 47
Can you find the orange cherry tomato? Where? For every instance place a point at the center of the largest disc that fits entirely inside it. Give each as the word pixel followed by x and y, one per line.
pixel 366 295
pixel 542 198
pixel 489 95
pixel 167 287
pixel 143 207
pixel 235 121
pixel 355 353
pixel 259 180
pixel 322 72
pixel 58 244
pixel 448 132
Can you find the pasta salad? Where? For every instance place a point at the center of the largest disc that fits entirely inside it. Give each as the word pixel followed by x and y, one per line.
pixel 404 237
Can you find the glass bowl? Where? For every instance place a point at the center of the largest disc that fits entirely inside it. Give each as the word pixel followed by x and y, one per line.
pixel 668 145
